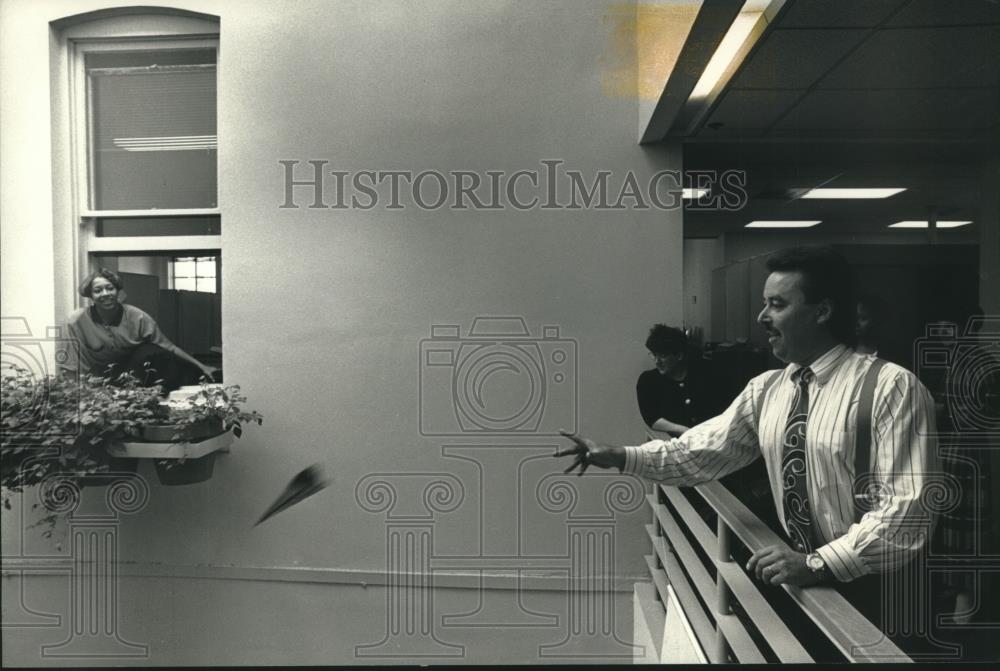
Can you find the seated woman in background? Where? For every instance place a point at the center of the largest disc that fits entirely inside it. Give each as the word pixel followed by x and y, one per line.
pixel 673 396
pixel 678 394
pixel 114 337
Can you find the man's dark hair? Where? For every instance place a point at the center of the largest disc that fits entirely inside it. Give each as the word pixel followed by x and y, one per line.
pixel 825 275
pixel 665 340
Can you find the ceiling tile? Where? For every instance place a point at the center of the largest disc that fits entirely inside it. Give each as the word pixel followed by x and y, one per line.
pixel 938 13
pixel 968 109
pixel 922 57
pixel 839 14
pixel 747 109
pixel 791 59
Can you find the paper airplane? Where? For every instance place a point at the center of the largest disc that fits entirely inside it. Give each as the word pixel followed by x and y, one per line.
pixel 302 486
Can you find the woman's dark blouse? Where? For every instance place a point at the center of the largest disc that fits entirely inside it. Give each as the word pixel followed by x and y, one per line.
pixel 686 402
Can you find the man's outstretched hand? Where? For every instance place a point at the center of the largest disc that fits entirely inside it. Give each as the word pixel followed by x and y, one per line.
pixel 587 452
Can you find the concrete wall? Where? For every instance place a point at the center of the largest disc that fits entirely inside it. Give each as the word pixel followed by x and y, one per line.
pixel 324 312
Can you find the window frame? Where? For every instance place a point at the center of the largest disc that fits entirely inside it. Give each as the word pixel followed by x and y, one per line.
pixel 86 241
pixel 195 258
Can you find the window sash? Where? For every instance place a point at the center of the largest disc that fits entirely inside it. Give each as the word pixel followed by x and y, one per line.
pixel 87 241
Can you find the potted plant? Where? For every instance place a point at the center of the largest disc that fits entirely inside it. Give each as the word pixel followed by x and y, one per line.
pixel 198 422
pixel 88 426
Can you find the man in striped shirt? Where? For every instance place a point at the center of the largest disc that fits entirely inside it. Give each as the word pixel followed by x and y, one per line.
pixel 809 317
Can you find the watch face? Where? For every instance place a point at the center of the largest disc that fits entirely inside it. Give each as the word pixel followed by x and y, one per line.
pixel 815 562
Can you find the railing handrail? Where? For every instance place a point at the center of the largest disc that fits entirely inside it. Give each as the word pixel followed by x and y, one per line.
pixel 737 583
pixel 848 629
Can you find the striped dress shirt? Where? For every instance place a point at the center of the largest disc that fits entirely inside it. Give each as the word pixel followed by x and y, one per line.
pixel 904 462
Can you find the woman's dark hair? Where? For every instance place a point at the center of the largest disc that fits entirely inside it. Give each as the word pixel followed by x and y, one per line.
pixel 86 290
pixel 665 339
pixel 825 275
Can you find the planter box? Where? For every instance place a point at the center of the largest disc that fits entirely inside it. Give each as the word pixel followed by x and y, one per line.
pixel 191 433
pixel 168 441
pixel 172 450
pixel 184 454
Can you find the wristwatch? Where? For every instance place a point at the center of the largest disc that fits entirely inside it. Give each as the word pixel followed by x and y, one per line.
pixel 816 564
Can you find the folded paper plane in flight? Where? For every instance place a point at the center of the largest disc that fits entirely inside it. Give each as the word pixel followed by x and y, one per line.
pixel 302 486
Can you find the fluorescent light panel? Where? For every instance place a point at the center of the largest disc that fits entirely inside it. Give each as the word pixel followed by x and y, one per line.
pixel 852 193
pixel 925 224
pixel 781 224
pixel 728 48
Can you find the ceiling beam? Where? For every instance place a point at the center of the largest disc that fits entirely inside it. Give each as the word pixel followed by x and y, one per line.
pixel 710 26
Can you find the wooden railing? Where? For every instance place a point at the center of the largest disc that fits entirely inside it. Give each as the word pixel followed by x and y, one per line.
pixel 678 532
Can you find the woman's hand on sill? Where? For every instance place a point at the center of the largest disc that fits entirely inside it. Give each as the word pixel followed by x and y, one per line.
pixel 209 371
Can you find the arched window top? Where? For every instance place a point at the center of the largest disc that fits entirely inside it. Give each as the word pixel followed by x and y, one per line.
pixel 136 21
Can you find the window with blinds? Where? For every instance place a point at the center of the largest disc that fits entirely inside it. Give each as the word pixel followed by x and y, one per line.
pixel 153 141
pixel 145 167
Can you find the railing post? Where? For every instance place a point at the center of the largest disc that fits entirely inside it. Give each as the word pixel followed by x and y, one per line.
pixel 723 594
pixel 658 528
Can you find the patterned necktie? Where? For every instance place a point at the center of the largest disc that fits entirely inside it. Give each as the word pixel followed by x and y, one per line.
pixel 798 518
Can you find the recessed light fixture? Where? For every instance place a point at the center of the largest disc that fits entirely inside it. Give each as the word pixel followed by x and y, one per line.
pixel 851 193
pixel 781 224
pixel 924 224
pixel 694 194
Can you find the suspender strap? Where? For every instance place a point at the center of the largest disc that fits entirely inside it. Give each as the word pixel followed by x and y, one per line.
pixel 863 441
pixel 758 407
